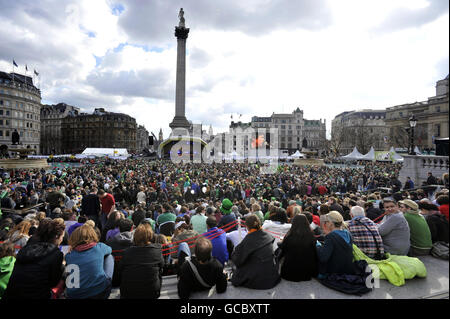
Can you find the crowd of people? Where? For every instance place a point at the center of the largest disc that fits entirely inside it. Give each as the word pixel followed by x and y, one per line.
pixel 128 223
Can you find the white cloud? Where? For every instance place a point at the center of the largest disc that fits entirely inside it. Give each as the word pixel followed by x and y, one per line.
pixel 250 58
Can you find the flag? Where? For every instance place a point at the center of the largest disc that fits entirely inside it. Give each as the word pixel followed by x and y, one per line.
pixel 14 63
pixel 36 73
pixel 231 116
pixel 26 68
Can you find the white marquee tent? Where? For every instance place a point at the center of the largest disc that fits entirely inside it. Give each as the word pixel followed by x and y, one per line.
pixel 370 156
pixel 297 154
pixel 110 152
pixel 395 156
pixel 354 155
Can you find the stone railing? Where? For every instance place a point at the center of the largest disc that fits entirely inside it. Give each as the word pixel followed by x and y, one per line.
pixel 418 166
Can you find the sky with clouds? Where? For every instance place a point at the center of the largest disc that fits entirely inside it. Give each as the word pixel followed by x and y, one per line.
pixel 252 57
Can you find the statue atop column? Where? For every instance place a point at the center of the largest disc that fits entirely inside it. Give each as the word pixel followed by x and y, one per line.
pixel 181 16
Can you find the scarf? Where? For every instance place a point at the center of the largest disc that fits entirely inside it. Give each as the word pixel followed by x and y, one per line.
pixel 84 247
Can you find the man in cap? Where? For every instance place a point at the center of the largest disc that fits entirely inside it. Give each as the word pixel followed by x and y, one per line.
pixel 228 216
pixel 420 234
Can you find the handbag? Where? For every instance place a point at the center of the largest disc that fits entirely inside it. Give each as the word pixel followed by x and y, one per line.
pixel 378 254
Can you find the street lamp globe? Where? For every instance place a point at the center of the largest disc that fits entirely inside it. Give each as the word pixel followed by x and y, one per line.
pixel 412 121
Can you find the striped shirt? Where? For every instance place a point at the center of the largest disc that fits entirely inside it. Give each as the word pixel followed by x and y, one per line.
pixel 363 238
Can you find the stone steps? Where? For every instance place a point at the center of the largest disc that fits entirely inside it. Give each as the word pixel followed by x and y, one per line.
pixel 434 286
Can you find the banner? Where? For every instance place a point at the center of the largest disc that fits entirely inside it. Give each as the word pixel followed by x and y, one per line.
pixel 384 156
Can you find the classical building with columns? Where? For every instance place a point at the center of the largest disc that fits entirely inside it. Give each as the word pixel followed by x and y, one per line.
pixel 20 105
pixel 294 131
pixel 432 119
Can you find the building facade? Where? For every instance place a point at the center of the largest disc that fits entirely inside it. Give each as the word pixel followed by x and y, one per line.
pixel 20 105
pixel 141 138
pixel 101 129
pixel 51 117
pixel 363 129
pixel 294 131
pixel 432 120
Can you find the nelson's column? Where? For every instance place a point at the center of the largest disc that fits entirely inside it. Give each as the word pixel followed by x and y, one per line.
pixel 180 121
pixel 182 140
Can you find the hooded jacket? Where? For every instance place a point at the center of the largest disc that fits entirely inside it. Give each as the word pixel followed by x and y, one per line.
pixel 37 270
pixel 6 268
pixel 119 243
pixel 336 254
pixel 255 262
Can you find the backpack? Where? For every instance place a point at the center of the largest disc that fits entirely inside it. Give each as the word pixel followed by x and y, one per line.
pixel 440 250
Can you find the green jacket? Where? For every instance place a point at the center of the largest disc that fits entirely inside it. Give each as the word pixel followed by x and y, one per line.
pixel 395 268
pixel 420 232
pixel 6 268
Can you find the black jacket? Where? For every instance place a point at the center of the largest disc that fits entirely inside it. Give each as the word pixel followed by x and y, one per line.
pixel 90 205
pixel 119 244
pixel 438 225
pixel 37 270
pixel 211 273
pixel 140 272
pixel 300 258
pixel 255 262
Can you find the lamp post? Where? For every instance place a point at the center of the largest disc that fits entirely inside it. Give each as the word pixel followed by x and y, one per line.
pixel 412 125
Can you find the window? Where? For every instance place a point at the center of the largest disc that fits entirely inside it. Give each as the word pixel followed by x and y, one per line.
pixel 1 133
pixel 1 112
pixel 438 109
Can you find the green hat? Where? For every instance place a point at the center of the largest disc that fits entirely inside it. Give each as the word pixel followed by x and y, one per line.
pixel 226 206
